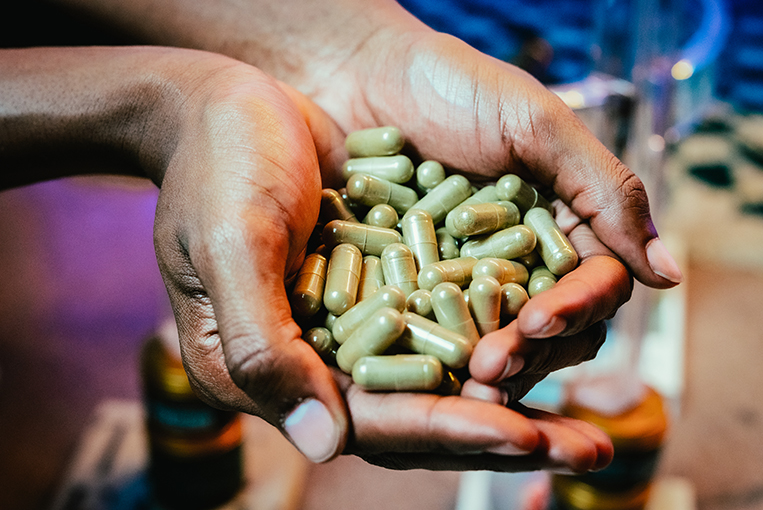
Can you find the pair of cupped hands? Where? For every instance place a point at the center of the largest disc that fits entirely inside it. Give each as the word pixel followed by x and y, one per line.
pixel 241 159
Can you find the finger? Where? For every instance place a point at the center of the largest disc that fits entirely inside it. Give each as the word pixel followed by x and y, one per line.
pixel 487 393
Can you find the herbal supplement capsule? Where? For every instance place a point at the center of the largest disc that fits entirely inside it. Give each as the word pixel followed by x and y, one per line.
pixel 382 215
pixel 334 207
pixel 329 321
pixel 388 296
pixel 530 260
pixel 369 190
pixel 514 189
pixel 429 174
pixel 485 304
pixel 402 372
pixel 509 243
pixel 398 169
pixel 554 247
pixel 369 240
pixel 342 278
pixel 399 267
pixel 503 270
pixel 379 141
pixel 371 277
pixel 371 338
pixel 444 197
pixel 458 271
pixel 513 298
pixel 450 384
pixel 475 219
pixel 446 245
pixel 419 235
pixel 541 279
pixel 427 337
pixel 482 196
pixel 307 296
pixel 420 302
pixel 322 342
pixel 452 312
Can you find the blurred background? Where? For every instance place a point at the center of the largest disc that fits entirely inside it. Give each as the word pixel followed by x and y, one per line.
pixel 673 87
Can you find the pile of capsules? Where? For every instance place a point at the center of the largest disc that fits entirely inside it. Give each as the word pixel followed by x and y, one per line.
pixel 400 299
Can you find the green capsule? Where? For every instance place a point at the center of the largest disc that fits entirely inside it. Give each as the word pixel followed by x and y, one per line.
pixel 369 240
pixel 342 278
pixel 508 243
pixel 482 196
pixel 513 298
pixel 388 296
pixel 475 219
pixel 458 271
pixel 419 235
pixel 452 312
pixel 322 342
pixel 444 197
pixel 514 189
pixel 334 207
pixel 329 321
pixel 427 337
pixel 420 302
pixel 555 249
pixel 371 338
pixel 369 190
pixel 379 141
pixel 503 270
pixel 397 169
pixel 541 279
pixel 399 267
pixel 485 304
pixel 429 175
pixel 531 260
pixel 371 277
pixel 446 245
pixel 402 372
pixel 382 215
pixel 307 295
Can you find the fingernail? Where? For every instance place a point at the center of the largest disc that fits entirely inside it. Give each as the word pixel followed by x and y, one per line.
pixel 552 328
pixel 661 262
pixel 514 364
pixel 312 430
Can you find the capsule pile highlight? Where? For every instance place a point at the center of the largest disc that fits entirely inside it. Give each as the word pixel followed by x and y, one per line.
pixel 411 266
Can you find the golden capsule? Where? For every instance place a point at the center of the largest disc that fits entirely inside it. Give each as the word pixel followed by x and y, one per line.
pixel 446 245
pixel 307 295
pixel 541 280
pixel 371 277
pixel 420 302
pixel 322 342
pixel 369 190
pixel 429 174
pixel 378 141
pixel 513 298
pixel 444 197
pixel 427 337
pixel 452 312
pixel 372 337
pixel 342 278
pixel 399 267
pixel 475 219
pixel 503 270
pixel 334 207
pixel 555 249
pixel 458 271
pixel 485 304
pixel 508 243
pixel 388 296
pixel 419 235
pixel 368 239
pixel 402 372
pixel 397 169
pixel 382 215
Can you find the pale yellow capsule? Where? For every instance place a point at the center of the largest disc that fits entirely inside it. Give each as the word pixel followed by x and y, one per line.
pixel 475 219
pixel 485 304
pixel 541 280
pixel 398 169
pixel 509 243
pixel 419 235
pixel 444 197
pixel 329 321
pixel 342 278
pixel 401 372
pixel 322 342
pixel 379 141
pixel 503 270
pixel 388 296
pixel 427 337
pixel 555 249
pixel 307 295
pixel 452 312
pixel 399 267
pixel 334 207
pixel 513 298
pixel 420 302
pixel 513 188
pixel 446 245
pixel 368 239
pixel 371 277
pixel 429 174
pixel 372 337
pixel 483 195
pixel 458 271
pixel 369 190
pixel 382 215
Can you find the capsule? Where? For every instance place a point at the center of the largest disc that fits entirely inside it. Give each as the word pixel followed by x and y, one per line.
pixel 509 243
pixel 402 372
pixel 307 296
pixel 342 278
pixel 369 240
pixel 450 384
pixel 322 342
pixel 446 245
pixel 329 320
pixel 452 312
pixel 388 296
pixel 485 304
pixel 397 169
pixel 427 337
pixel 379 141
pixel 369 190
pixel 503 270
pixel 555 249
pixel 475 219
pixel 541 279
pixel 371 277
pixel 530 260
pixel 444 197
pixel 458 271
pixel 514 189
pixel 513 298
pixel 371 338
pixel 429 175
pixel 399 267
pixel 482 196
pixel 420 302
pixel 382 215
pixel 419 235
pixel 334 207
